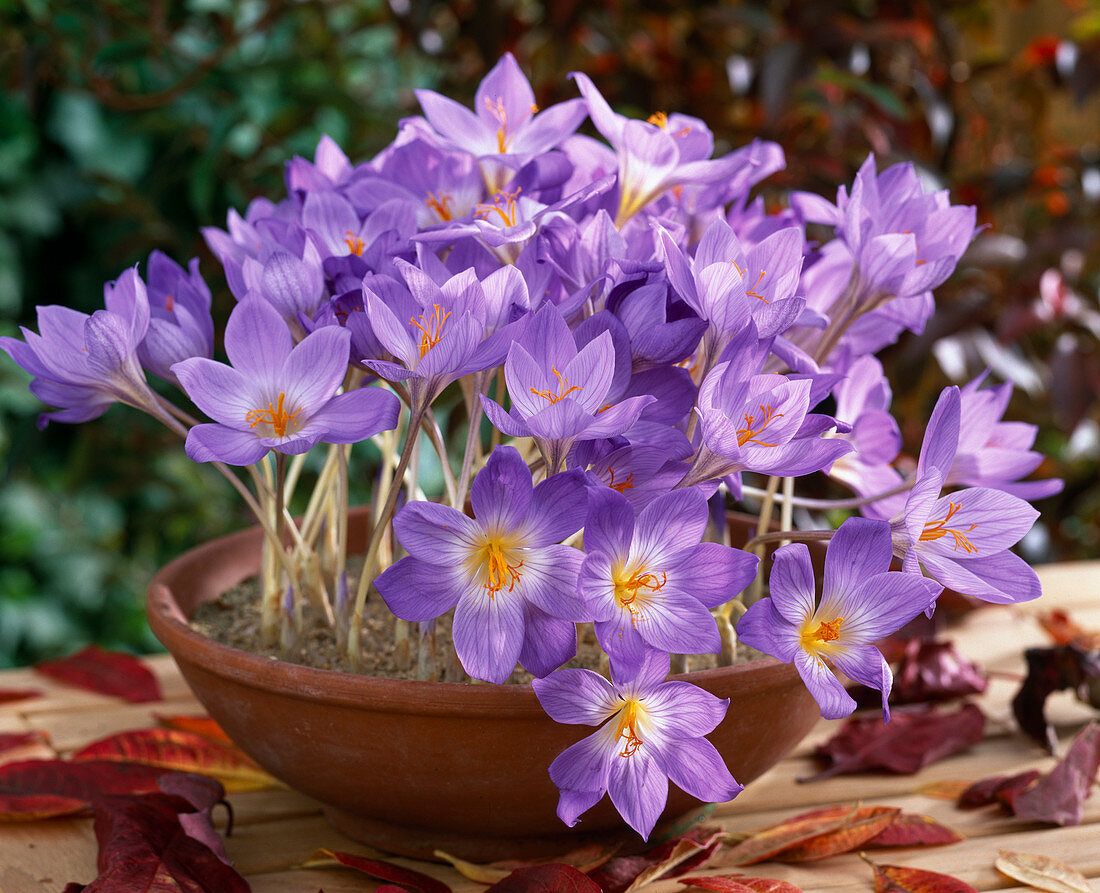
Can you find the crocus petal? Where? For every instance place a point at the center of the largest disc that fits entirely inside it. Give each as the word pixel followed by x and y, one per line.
pixel 879 605
pixel 316 367
pixel 621 641
pixel 576 696
pixel 557 509
pixel 859 548
pixel 987 521
pixel 866 665
pixel 488 635
pixel 695 766
pixel 609 525
pixel 718 573
pixel 826 689
pixel 585 766
pixel 682 710
pixel 669 523
pixel 437 533
pixel 501 420
pixel 548 579
pixel 220 391
pixel 548 642
pixel 501 491
pixel 639 789
pixel 218 443
pixel 941 436
pixel 572 803
pixel 792 583
pixel 453 121
pixel 1004 578
pixel 679 624
pixel 257 340
pixel 415 590
pixel 762 627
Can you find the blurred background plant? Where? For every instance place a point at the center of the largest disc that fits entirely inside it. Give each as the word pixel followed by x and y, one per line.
pixel 125 126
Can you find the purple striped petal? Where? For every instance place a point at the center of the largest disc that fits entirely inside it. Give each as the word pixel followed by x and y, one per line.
pixel 696 767
pixel 682 710
pixel 762 627
pixel 549 581
pixel 859 549
pixel 576 696
pixel 792 583
pixel 548 642
pixel 437 533
pixel 415 590
pixel 585 766
pixel 866 665
pixel 257 341
pixel 218 443
pixel 826 689
pixel 501 492
pixel 638 788
pixel 488 635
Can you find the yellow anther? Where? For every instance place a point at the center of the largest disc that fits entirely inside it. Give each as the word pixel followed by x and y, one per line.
pixel 749 433
pixel 564 388
pixel 274 415
pixel 934 530
pixel 431 329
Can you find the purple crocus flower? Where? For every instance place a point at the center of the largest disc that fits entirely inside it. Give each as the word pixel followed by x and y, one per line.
pixel 649 582
pixel 180 325
pixel 276 395
pixel 83 363
pixel 651 732
pixel 761 424
pixel 513 587
pixel 962 539
pixel 861 602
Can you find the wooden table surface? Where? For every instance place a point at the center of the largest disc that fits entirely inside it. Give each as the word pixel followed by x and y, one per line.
pixel 277 829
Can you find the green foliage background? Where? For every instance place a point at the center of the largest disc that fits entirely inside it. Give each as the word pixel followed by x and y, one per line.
pixel 126 126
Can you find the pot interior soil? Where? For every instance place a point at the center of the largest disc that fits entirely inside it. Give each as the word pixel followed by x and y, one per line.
pixel 234 619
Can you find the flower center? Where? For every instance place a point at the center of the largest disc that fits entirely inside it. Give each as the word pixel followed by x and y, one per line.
pixel 354 243
pixel 813 637
pixel 752 293
pixel 500 572
pixel 622 486
pixel 274 415
pixel 431 328
pixel 440 203
pixel 504 204
pixel 636 591
pixel 169 303
pixel 627 729
pixel 495 108
pixel 660 119
pixel 564 388
pixel 934 530
pixel 749 433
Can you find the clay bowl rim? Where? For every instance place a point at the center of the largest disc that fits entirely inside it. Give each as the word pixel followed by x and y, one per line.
pixel 337 688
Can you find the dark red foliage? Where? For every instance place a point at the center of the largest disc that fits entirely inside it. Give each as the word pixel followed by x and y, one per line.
pixel 553 877
pixel 683 854
pixel 997 789
pixel 1058 797
pixel 911 740
pixel 105 672
pixel 34 789
pixel 931 670
pixel 7 695
pixel 405 878
pixel 1050 670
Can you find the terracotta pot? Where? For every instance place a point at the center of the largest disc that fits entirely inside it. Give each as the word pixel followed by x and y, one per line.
pixel 412 767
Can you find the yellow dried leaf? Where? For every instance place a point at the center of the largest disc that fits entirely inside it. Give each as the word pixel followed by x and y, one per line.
pixel 483 874
pixel 943 790
pixel 1041 872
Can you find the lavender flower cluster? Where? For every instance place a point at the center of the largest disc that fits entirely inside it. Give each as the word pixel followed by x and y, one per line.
pixel 657 346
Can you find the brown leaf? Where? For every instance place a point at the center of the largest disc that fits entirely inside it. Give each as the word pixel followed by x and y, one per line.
pixel 900 879
pixel 36 789
pixel 554 877
pixel 184 751
pixel 737 883
pixel 909 742
pixel 911 829
pixel 931 670
pixel 106 672
pixel 1064 630
pixel 8 695
pixel 143 846
pixel 1058 797
pixel 1050 670
pixel 1001 789
pixel 584 860
pixel 866 824
pixel 671 858
pixel 1041 872
pixel 767 842
pixel 375 868
pixel 198 725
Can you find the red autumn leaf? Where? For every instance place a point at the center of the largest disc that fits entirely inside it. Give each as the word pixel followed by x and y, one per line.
pixel 909 742
pixel 405 878
pixel 670 859
pixel 931 670
pixel 36 789
pixel 1050 670
pixel 1001 789
pixel 736 883
pixel 910 829
pixel 584 859
pixel 553 877
pixel 900 879
pixel 143 846
pixel 1064 630
pixel 184 751
pixel 197 725
pixel 13 740
pixel 105 672
pixel 8 695
pixel 864 824
pixel 203 793
pixel 813 835
pixel 1058 796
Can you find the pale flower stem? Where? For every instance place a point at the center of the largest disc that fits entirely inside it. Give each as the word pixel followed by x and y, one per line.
pixel 798 536
pixel 426 657
pixel 431 427
pixel 293 473
pixel 371 561
pixel 473 442
pixel 756 589
pixel 828 504
pixel 785 507
pixel 502 390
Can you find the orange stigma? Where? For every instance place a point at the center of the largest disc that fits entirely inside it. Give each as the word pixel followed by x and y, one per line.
pixel 622 486
pixel 748 434
pixel 431 329
pixel 627 729
pixel 169 303
pixel 504 204
pixel 441 203
pixel 275 416
pixel 633 593
pixel 564 388
pixel 814 637
pixel 937 530
pixel 354 243
pixel 499 572
pixel 752 293
pixel 496 109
